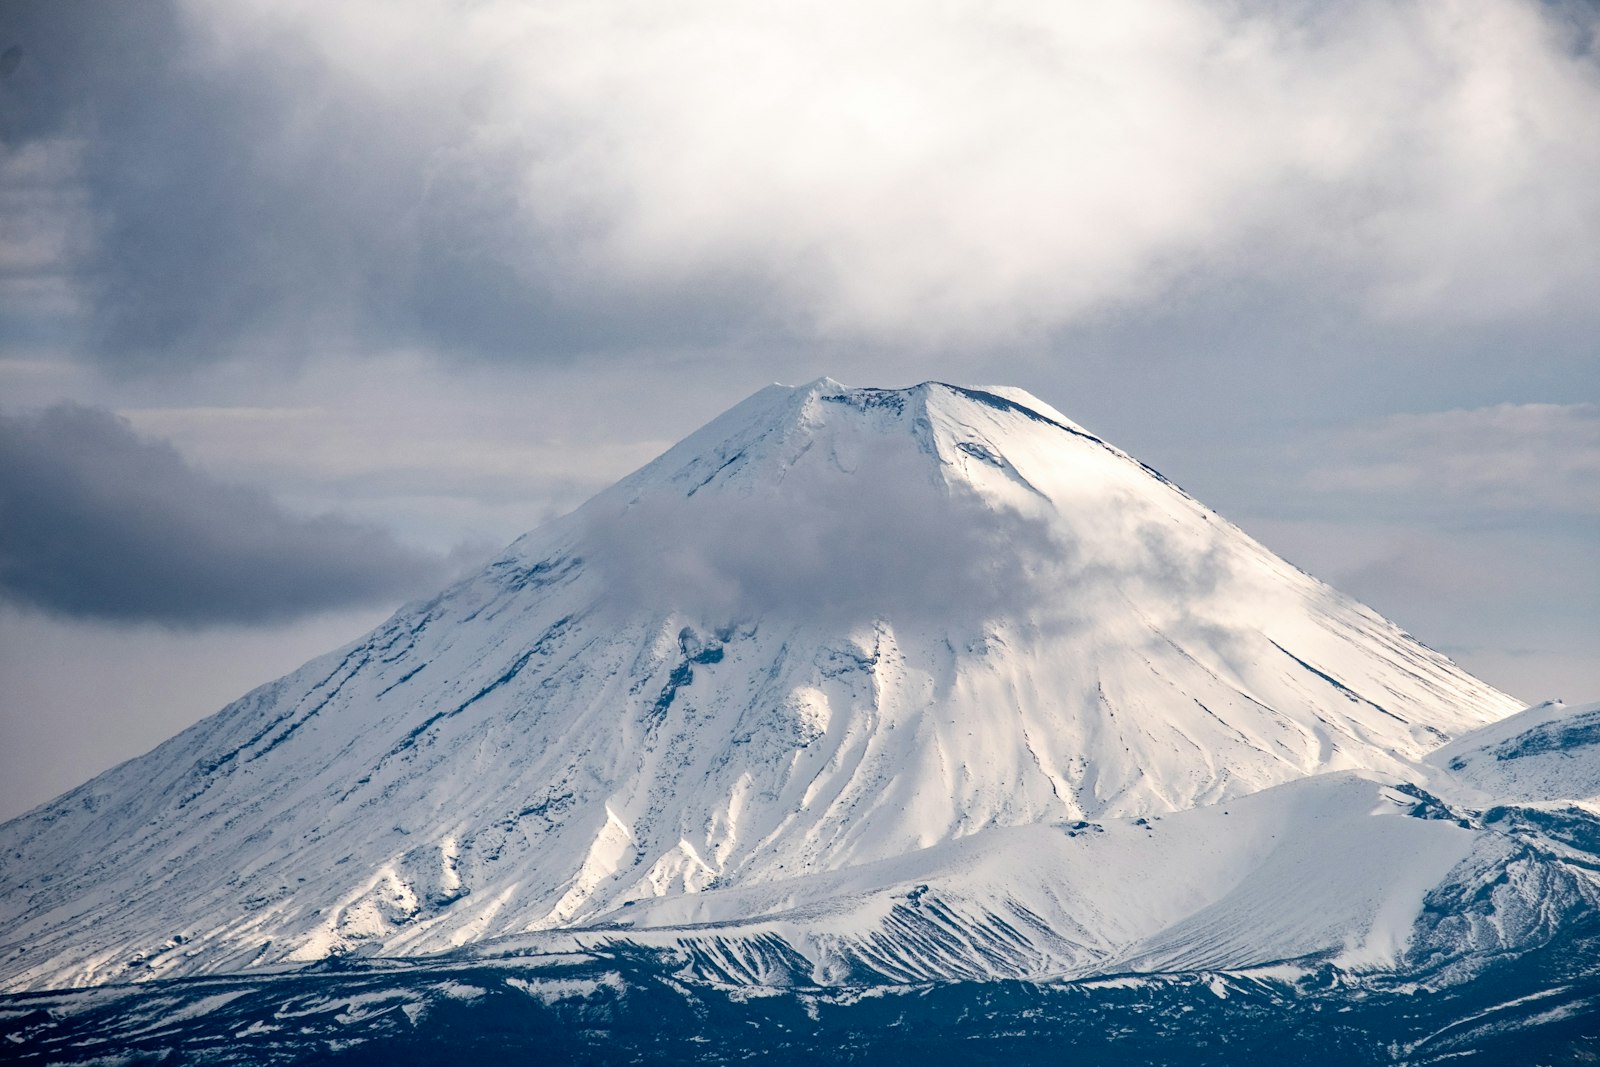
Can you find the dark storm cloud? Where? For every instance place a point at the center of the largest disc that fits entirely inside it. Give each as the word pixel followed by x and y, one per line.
pixel 97 522
pixel 248 196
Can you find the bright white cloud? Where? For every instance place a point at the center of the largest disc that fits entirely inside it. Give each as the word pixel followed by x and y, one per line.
pixel 976 171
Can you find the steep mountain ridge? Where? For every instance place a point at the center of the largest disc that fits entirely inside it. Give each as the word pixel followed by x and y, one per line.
pixel 834 627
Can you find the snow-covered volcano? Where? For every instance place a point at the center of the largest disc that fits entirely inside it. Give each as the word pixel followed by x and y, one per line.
pixel 833 628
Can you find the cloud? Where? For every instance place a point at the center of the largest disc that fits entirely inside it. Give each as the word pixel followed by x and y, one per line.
pixel 884 541
pixel 556 178
pixel 97 522
pixel 1531 458
pixel 855 529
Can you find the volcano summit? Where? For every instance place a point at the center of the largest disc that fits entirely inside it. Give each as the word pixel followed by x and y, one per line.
pixel 851 686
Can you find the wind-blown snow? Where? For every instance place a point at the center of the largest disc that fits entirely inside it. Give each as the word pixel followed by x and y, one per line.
pixel 834 628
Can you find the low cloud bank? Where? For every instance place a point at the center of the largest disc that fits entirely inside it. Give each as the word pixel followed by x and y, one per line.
pixel 98 522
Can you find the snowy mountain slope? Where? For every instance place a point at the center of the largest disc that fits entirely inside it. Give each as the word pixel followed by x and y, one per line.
pixel 1501 962
pixel 1328 867
pixel 1335 869
pixel 1546 753
pixel 832 628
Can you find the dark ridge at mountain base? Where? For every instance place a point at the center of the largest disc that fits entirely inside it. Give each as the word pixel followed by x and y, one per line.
pixel 630 1008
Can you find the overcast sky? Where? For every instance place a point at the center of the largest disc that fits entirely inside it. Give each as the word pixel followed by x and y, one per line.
pixel 306 306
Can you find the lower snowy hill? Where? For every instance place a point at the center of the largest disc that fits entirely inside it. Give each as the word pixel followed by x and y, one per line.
pixel 1332 920
pixel 1549 752
pixel 1339 869
pixel 1328 868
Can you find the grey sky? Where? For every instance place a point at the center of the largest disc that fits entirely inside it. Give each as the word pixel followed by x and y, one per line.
pixel 446 269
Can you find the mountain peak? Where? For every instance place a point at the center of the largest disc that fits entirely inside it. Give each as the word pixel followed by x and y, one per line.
pixel 761 440
pixel 832 627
